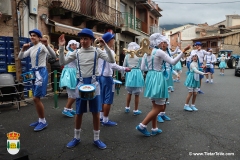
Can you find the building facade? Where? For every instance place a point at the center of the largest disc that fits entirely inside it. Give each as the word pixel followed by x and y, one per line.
pixel 129 20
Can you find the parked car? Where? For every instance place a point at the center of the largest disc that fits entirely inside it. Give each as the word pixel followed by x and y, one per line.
pixel 237 69
pixel 232 59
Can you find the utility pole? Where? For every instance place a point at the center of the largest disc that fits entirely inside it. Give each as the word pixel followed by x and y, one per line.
pixel 16 43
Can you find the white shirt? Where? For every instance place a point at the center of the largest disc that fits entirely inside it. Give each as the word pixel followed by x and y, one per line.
pixel 210 59
pixel 42 57
pixel 158 60
pixel 86 59
pixel 194 68
pixel 201 53
pixel 109 67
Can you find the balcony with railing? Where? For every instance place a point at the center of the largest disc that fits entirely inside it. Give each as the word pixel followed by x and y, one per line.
pixel 93 11
pixel 133 25
pixel 154 29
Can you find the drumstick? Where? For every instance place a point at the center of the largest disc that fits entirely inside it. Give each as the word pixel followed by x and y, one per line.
pixel 144 48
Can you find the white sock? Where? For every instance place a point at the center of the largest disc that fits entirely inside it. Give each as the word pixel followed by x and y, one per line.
pixel 193 105
pixel 207 80
pixel 96 135
pixel 65 109
pixel 43 120
pixel 211 80
pixel 186 104
pixel 142 126
pixel 101 115
pixel 127 108
pixel 154 129
pixel 77 133
pixel 105 119
pixel 135 110
pixel 161 113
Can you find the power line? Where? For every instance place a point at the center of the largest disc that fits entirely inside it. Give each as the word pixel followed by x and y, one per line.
pixel 197 3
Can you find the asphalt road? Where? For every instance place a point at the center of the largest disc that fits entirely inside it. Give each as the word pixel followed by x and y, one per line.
pixel 210 132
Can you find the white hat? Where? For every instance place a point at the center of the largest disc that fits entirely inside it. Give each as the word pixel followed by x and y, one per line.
pixel 222 55
pixel 133 46
pixel 156 38
pixel 72 42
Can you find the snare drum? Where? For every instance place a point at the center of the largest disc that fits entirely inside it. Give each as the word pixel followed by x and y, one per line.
pixel 87 91
pixel 28 76
pixel 117 84
pixel 208 65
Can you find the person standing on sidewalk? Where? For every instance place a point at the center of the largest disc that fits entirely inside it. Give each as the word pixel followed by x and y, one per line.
pixel 38 54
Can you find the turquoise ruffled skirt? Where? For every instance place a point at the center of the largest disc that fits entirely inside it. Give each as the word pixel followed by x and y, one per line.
pixel 134 78
pixel 178 66
pixel 191 82
pixel 222 65
pixel 156 85
pixel 68 78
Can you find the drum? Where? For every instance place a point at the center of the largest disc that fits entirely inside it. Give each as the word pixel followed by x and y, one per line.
pixel 87 91
pixel 28 76
pixel 117 84
pixel 208 65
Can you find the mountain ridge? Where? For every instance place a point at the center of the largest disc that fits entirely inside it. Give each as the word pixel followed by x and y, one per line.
pixel 171 26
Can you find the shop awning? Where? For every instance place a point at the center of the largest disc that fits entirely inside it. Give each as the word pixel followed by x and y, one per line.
pixel 62 28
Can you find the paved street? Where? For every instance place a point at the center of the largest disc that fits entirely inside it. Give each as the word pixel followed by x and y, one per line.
pixel 214 128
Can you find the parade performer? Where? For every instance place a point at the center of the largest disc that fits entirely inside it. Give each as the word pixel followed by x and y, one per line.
pixel 201 53
pixel 134 81
pixel 178 69
pixel 222 64
pixel 106 81
pixel 38 54
pixel 192 83
pixel 169 68
pixel 68 79
pixel 87 57
pixel 209 63
pixel 155 84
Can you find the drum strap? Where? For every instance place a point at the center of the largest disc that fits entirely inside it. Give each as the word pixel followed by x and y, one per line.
pixel 39 49
pixel 95 57
pixel 152 56
pixel 103 67
pixel 169 56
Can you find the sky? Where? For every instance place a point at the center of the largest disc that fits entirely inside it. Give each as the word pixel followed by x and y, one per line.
pixel 175 13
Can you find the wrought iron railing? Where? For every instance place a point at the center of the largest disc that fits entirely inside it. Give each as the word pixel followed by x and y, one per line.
pixel 94 9
pixel 154 29
pixel 129 20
